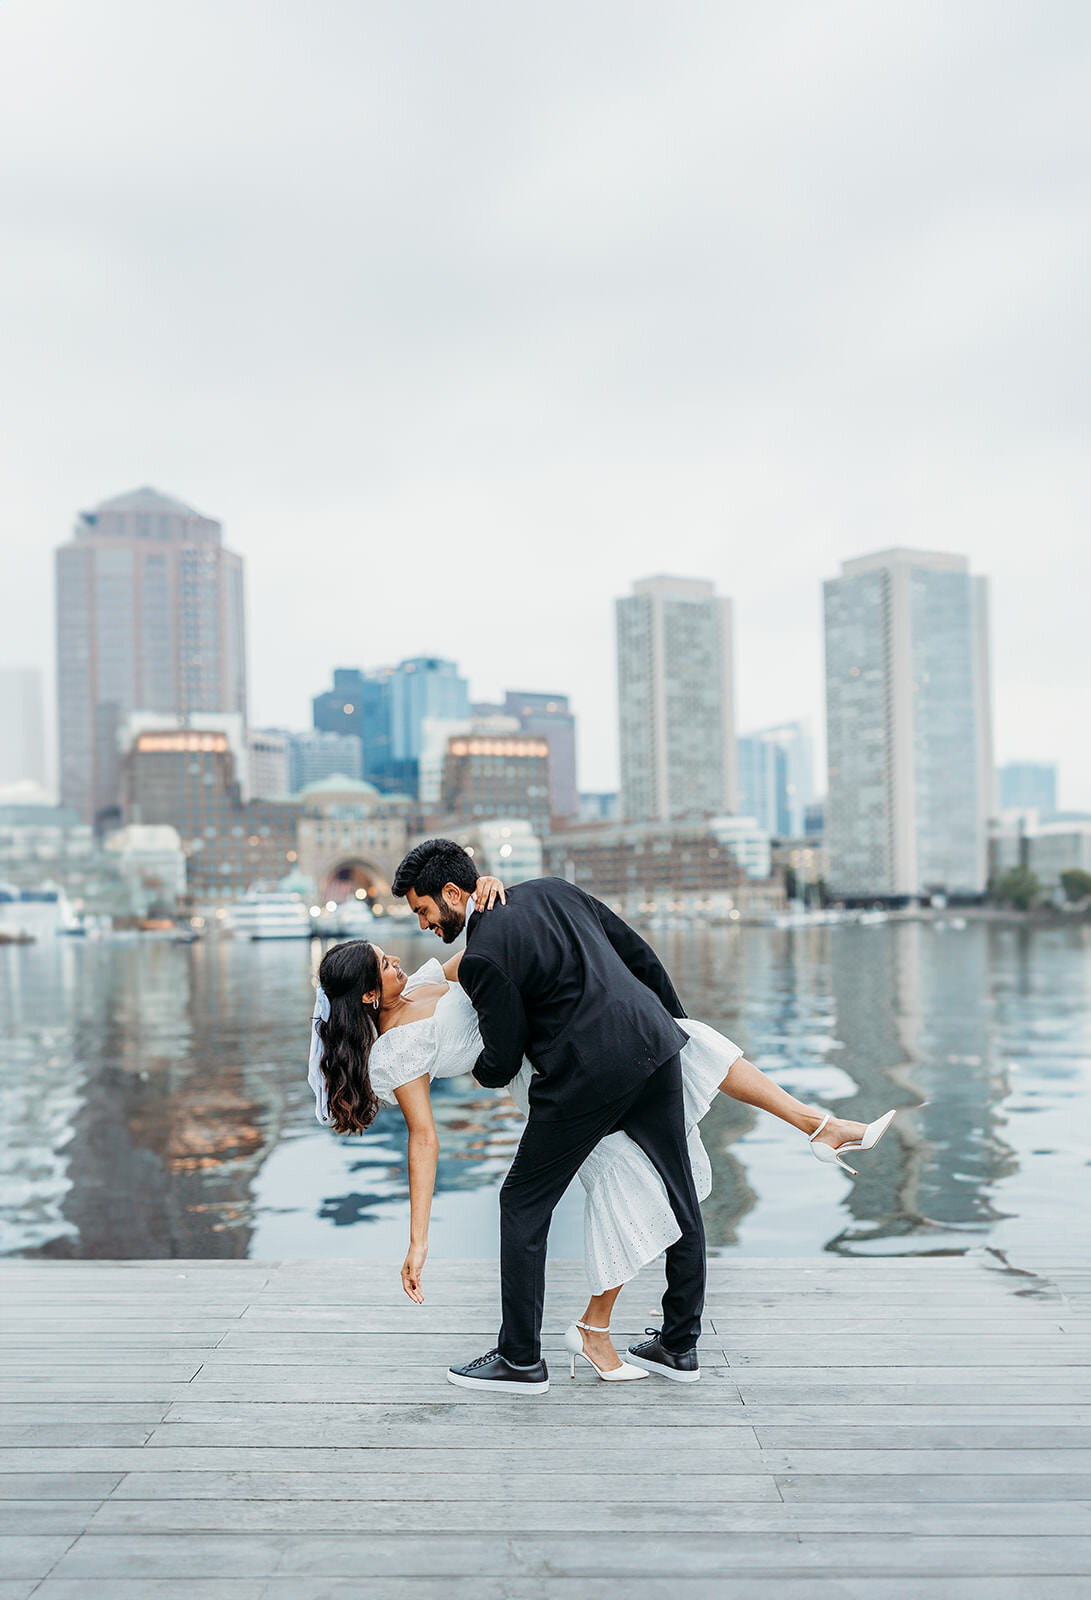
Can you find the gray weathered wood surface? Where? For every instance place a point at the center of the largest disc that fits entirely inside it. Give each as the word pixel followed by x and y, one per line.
pixel 904 1429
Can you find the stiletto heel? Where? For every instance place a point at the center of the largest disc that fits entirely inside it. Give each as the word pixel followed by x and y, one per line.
pixel 573 1343
pixel 831 1154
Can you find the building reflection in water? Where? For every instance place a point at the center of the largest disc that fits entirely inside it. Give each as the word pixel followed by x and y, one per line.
pixel 154 1099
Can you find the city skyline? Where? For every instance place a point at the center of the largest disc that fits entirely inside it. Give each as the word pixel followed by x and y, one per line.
pixel 589 313
pixel 127 518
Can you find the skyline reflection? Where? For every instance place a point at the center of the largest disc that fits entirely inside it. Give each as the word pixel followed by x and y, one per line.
pixel 154 1100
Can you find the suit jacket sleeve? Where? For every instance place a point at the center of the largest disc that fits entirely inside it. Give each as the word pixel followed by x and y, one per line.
pixel 501 1017
pixel 638 956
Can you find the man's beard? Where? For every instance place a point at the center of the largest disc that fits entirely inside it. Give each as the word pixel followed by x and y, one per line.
pixel 451 922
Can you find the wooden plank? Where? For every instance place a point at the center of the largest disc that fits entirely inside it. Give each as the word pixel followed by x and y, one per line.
pixel 609 1555
pixel 548 1515
pixel 513 1586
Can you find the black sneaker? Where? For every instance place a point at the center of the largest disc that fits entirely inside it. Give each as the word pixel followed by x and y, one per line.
pixel 653 1358
pixel 491 1371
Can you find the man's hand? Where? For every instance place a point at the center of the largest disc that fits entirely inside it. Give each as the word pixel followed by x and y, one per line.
pixel 486 893
pixel 412 1271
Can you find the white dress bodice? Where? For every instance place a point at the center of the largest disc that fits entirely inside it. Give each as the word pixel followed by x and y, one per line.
pixel 444 1045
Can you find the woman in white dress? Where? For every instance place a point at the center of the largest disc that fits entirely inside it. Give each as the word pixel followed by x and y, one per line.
pixel 379 1036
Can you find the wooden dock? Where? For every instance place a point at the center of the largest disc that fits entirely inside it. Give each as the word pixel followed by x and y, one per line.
pixel 900 1429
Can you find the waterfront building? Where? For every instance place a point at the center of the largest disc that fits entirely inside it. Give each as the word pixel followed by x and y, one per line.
pixel 350 838
pixel 686 869
pixel 269 762
pixel 909 727
pixel 149 618
pixel 313 756
pixel 776 777
pixel 1029 786
pixel 599 807
pixel 40 841
pixel 506 847
pixel 747 841
pixel 676 701
pixel 493 775
pixel 805 856
pixel 1057 847
pixel 152 865
pixel 1048 849
pixel 22 746
pixel 186 773
pixel 549 717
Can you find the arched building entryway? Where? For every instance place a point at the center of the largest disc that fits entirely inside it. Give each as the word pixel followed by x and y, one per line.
pixel 352 879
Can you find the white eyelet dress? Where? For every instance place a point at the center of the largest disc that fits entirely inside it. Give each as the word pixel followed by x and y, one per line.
pixel 627 1216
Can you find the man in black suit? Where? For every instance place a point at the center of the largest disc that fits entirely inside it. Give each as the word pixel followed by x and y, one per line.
pixel 555 976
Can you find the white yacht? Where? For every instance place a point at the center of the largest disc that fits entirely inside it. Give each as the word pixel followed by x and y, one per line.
pixel 271 914
pixel 36 913
pixel 352 919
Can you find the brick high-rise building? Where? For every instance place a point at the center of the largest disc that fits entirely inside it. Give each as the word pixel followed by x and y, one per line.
pixel 190 777
pixel 149 618
pixel 492 776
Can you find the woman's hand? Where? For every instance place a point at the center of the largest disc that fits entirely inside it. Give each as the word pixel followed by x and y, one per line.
pixel 412 1270
pixel 486 893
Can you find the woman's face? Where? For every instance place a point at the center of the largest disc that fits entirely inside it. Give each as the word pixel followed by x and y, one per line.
pixel 393 978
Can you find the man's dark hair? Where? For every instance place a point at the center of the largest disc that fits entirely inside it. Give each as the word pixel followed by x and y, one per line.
pixel 430 865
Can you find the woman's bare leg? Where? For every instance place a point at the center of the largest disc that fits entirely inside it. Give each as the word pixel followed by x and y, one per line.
pixel 748 1083
pixel 599 1346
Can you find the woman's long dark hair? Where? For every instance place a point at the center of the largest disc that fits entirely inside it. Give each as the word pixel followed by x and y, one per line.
pixel 348 972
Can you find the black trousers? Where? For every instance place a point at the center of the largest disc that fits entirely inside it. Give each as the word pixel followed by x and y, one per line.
pixel 549 1156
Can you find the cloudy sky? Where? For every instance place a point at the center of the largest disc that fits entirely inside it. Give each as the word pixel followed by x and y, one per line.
pixel 462 316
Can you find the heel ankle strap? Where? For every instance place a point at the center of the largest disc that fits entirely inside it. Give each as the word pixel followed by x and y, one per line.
pixel 818 1130
pixel 587 1328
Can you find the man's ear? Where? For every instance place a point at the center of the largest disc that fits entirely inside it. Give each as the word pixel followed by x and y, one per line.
pixel 451 893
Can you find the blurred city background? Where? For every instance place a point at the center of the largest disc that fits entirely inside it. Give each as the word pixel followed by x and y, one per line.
pixel 766 629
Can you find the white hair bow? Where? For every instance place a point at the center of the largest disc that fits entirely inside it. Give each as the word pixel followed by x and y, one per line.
pixel 315 1076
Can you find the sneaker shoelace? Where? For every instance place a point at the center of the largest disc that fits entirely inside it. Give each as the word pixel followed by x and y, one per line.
pixel 482 1361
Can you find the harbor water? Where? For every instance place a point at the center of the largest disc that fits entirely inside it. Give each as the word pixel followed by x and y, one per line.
pixel 153 1100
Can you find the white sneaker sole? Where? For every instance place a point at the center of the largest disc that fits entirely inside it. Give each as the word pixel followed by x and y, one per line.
pixel 661 1371
pixel 496 1385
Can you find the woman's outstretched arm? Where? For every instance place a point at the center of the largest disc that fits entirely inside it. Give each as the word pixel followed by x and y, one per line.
pixel 416 1102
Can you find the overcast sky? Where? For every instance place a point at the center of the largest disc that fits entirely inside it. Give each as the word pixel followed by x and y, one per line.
pixel 462 316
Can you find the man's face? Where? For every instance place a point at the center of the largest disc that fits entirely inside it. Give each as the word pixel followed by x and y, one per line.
pixel 446 917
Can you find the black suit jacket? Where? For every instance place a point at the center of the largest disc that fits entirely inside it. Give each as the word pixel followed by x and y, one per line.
pixel 555 976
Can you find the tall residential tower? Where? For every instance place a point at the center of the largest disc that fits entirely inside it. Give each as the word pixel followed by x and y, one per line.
pixel 149 618
pixel 909 726
pixel 676 701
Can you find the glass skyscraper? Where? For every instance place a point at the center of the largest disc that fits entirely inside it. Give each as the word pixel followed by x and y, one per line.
pixel 909 726
pixel 676 701
pixel 776 778
pixel 359 705
pixel 149 618
pixel 1029 786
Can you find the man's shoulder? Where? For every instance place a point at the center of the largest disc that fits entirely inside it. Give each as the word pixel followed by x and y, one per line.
pixel 538 889
pixel 527 903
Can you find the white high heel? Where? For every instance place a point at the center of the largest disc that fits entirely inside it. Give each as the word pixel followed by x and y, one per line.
pixel 574 1345
pixel 832 1154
